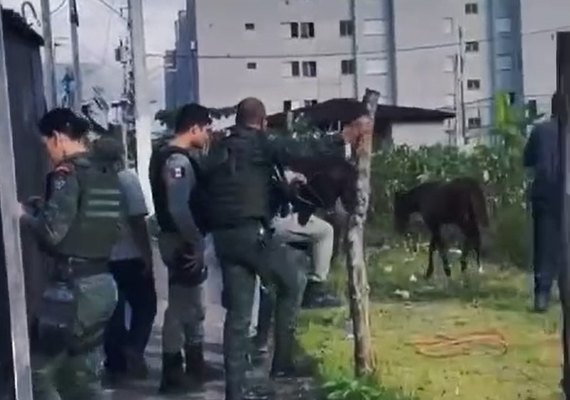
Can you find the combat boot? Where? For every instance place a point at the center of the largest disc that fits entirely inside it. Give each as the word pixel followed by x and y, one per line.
pixel 174 380
pixel 317 296
pixel 284 364
pixel 196 366
pixel 541 302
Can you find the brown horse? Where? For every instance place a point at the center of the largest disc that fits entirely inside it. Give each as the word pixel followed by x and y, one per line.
pixel 459 202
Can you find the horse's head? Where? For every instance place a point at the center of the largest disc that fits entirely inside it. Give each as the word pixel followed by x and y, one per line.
pixel 402 211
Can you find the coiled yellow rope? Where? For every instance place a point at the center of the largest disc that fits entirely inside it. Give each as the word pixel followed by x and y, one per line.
pixel 444 346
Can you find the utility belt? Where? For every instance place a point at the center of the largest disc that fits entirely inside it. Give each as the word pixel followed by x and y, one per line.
pixel 57 314
pixel 243 222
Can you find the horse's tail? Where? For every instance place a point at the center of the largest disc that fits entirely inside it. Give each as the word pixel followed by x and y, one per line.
pixel 478 207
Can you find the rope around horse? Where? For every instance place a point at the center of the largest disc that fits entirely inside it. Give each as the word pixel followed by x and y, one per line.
pixel 445 346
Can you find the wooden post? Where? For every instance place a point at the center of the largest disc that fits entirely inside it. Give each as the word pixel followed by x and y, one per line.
pixel 563 88
pixel 358 288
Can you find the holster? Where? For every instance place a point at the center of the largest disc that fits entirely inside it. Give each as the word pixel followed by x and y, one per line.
pixel 186 273
pixel 56 318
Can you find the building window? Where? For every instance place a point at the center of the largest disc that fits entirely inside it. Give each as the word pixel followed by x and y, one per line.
pixel 448 26
pixel 296 30
pixel 290 69
pixel 348 67
pixel 449 64
pixel 309 69
pixel 374 27
pixel 376 66
pixel 504 62
pixel 473 84
pixel 307 30
pixel 287 105
pixel 474 122
pixel 471 8
pixel 346 28
pixel 472 47
pixel 503 25
pixel 512 97
pixel 310 102
pixel 249 26
pixel 251 65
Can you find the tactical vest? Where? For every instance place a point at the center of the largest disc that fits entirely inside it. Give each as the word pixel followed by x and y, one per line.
pixel 196 202
pixel 95 229
pixel 238 189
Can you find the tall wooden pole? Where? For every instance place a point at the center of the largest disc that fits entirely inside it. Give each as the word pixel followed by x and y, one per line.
pixel 49 60
pixel 358 288
pixel 74 23
pixel 563 88
pixel 11 240
pixel 142 104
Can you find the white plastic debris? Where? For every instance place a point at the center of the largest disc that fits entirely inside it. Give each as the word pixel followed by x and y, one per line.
pixel 388 269
pixel 413 278
pixel 404 294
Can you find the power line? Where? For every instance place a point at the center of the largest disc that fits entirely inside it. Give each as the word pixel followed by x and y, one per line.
pixel 59 7
pixel 349 53
pixel 113 9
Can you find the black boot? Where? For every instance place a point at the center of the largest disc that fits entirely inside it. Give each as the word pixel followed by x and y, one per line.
pixel 284 364
pixel 541 302
pixel 196 366
pixel 316 296
pixel 174 380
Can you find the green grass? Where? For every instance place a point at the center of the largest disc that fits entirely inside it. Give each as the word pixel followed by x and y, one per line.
pixel 498 299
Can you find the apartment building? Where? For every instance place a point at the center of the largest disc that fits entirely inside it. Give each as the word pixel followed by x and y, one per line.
pixel 292 52
pixel 453 54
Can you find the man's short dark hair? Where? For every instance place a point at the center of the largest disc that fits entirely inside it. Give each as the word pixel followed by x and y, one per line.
pixel 250 111
pixel 190 115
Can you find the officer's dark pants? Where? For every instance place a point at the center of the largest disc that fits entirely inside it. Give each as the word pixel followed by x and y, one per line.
pixel 138 290
pixel 547 256
pixel 242 258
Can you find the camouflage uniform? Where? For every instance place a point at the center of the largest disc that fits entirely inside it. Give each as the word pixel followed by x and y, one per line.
pixel 82 203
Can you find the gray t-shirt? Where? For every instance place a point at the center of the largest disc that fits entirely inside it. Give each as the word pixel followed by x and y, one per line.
pixel 133 205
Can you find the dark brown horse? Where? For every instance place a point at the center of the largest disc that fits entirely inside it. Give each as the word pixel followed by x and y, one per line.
pixel 459 202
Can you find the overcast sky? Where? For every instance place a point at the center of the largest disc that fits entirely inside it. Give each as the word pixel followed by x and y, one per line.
pixel 100 30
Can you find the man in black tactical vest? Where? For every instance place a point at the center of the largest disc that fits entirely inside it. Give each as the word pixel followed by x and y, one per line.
pixel 176 188
pixel 238 189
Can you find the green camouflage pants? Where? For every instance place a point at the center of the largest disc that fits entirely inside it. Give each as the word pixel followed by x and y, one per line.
pixel 67 377
pixel 242 258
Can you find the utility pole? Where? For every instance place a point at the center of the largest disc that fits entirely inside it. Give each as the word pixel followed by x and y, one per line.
pixel 143 118
pixel 461 129
pixel 354 47
pixel 74 23
pixel 49 63
pixel 12 242
pixel 563 106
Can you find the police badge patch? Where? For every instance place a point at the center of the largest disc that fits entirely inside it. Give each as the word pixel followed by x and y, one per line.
pixel 177 172
pixel 59 182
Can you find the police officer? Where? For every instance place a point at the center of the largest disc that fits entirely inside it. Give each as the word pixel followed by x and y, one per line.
pixel 77 224
pixel 238 188
pixel 542 156
pixel 175 179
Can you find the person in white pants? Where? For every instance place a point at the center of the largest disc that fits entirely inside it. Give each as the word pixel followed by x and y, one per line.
pixel 319 237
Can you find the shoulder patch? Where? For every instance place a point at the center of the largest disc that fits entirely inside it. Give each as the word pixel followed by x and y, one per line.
pixel 59 182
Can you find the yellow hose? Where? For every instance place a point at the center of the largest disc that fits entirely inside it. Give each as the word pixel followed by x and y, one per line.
pixel 444 346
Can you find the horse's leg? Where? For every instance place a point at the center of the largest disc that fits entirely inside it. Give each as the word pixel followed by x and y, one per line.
pixel 465 253
pixel 477 248
pixel 441 248
pixel 430 269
